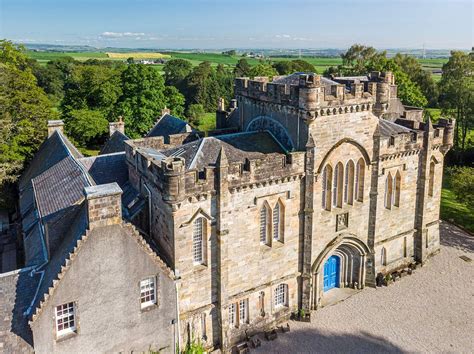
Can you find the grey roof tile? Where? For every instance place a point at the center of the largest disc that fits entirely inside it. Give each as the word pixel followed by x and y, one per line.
pixel 115 143
pixel 107 168
pixel 388 128
pixel 169 125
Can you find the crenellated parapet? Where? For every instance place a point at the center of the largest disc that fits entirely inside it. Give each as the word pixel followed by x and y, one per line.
pixel 176 181
pixel 322 96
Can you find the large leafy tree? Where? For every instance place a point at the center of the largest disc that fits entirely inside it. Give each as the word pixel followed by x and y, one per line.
pixel 286 67
pixel 174 101
pixel 457 93
pixel 176 71
pixel 262 69
pixel 142 98
pixel 24 111
pixel 93 87
pixel 86 127
pixel 242 68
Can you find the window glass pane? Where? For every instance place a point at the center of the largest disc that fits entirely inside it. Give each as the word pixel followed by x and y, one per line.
pixel 197 240
pixel 65 318
pixel 147 292
pixel 276 222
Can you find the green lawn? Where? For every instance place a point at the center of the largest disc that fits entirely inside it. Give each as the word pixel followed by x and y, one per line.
pixel 207 122
pixel 454 211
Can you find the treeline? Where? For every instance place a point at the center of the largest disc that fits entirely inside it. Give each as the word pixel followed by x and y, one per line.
pixel 453 95
pixel 87 95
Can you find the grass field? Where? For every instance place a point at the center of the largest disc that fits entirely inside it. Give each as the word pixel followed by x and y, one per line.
pixel 207 122
pixel 137 55
pixel 454 211
pixel 321 64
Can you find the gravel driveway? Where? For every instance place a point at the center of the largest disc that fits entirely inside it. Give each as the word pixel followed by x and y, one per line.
pixel 429 311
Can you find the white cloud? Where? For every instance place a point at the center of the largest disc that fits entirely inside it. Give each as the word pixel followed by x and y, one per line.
pixel 122 34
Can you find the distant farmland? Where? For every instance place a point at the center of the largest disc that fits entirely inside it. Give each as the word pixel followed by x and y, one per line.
pixel 320 63
pixel 138 55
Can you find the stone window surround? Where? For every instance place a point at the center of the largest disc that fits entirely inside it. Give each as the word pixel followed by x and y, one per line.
pixel 335 189
pixel 269 221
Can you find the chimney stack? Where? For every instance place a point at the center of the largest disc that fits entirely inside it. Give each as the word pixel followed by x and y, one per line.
pixel 104 205
pixel 114 126
pixel 54 125
pixel 165 111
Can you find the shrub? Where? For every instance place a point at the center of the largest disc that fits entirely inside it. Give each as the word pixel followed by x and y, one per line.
pixel 462 184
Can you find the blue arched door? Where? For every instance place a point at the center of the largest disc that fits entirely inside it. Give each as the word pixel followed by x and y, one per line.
pixel 331 273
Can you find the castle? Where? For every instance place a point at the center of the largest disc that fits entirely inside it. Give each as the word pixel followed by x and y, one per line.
pixel 308 185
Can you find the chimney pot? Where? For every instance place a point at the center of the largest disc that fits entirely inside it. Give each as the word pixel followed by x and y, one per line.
pixel 54 125
pixel 104 205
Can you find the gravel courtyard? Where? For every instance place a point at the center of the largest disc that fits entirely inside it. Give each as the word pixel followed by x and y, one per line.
pixel 429 311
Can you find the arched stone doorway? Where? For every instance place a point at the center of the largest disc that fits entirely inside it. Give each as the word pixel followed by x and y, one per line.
pixel 342 264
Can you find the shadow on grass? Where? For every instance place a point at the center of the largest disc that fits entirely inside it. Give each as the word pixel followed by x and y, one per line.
pixel 312 341
pixel 452 236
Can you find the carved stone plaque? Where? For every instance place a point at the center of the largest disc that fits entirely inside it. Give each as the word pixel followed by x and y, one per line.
pixel 342 221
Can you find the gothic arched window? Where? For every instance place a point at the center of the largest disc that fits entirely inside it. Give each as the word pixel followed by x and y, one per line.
pixel 388 191
pixel 278 220
pixel 359 180
pixel 326 187
pixel 264 220
pixel 397 184
pixel 349 183
pixel 383 256
pixel 199 234
pixel 337 185
pixel 431 179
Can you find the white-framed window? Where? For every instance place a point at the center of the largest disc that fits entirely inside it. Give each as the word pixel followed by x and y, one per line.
pixel 281 295
pixel 264 229
pixel 198 234
pixel 233 315
pixel 147 292
pixel 65 319
pixel 243 311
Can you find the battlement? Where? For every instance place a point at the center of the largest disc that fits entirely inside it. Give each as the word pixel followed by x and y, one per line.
pixel 313 92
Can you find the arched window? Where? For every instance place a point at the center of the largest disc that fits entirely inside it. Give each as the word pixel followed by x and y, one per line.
pixel 337 185
pixel 397 184
pixel 278 221
pixel 431 179
pixel 383 256
pixel 359 180
pixel 199 234
pixel 388 191
pixel 326 187
pixel 264 219
pixel 349 183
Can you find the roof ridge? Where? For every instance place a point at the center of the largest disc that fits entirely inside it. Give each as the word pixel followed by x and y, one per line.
pixel 193 161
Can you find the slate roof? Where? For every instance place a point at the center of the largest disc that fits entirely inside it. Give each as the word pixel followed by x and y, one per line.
pixel 60 186
pixel 168 125
pixel 388 128
pixel 238 147
pixel 107 168
pixel 115 143
pixel 294 79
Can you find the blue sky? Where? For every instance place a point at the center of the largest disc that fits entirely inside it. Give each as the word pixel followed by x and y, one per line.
pixel 240 23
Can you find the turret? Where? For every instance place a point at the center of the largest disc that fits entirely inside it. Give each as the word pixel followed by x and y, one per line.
pixel 174 179
pixel 311 93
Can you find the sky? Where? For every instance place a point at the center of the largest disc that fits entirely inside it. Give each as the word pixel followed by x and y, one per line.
pixel 206 24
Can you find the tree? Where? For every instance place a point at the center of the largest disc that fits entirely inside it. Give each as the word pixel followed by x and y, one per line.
pixel 230 53
pixel 93 87
pixel 176 71
pixel 86 127
pixel 462 184
pixel 24 111
pixel 174 101
pixel 357 56
pixel 195 113
pixel 201 86
pixel 286 67
pixel 242 68
pixel 142 98
pixel 412 67
pixel 262 69
pixel 457 93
